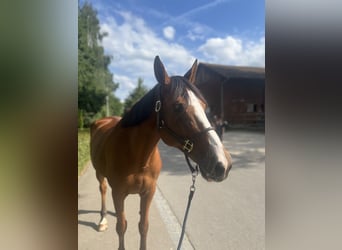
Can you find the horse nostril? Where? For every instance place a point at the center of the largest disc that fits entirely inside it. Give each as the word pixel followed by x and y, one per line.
pixel 219 170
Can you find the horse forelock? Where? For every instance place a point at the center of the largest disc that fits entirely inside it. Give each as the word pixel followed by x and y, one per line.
pixel 179 86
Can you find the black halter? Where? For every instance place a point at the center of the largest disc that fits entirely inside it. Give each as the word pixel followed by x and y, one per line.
pixel 187 143
pixel 187 147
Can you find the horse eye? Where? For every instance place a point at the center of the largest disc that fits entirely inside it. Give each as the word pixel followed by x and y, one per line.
pixel 178 107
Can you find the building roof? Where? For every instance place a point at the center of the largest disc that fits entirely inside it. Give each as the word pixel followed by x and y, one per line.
pixel 235 71
pixel 204 70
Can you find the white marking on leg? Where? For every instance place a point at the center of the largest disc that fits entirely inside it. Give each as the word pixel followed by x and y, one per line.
pixel 103 221
pixel 103 225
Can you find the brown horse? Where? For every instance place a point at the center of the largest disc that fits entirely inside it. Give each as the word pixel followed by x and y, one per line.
pixel 125 150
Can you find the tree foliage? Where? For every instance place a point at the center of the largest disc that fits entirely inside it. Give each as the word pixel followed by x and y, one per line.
pixel 135 95
pixel 95 81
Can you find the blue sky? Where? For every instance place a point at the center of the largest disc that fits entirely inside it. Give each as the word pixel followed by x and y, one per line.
pixel 229 32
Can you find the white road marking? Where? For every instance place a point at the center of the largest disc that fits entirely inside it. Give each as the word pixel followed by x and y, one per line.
pixel 170 220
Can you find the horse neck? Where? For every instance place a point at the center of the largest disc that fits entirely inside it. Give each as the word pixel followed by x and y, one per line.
pixel 144 138
pixel 148 130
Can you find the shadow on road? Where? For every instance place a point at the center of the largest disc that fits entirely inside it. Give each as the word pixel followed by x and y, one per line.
pixel 82 211
pixel 173 160
pixel 248 160
pixel 88 223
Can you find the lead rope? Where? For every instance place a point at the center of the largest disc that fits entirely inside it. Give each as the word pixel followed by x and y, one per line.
pixel 194 170
pixel 194 173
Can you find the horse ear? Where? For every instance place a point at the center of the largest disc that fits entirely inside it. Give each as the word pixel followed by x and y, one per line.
pixel 160 72
pixel 192 76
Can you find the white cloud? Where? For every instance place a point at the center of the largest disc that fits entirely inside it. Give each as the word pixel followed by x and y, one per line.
pixel 134 45
pixel 169 32
pixel 197 32
pixel 126 85
pixel 234 51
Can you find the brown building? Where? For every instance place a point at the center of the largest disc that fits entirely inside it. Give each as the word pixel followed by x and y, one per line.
pixel 236 94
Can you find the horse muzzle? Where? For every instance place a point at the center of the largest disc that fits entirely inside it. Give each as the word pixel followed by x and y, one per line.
pixel 216 170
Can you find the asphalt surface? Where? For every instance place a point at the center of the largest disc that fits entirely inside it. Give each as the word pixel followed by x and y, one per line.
pixel 89 205
pixel 227 215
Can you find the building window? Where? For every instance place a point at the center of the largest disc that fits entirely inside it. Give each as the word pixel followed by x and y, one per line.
pixel 255 108
pixel 250 108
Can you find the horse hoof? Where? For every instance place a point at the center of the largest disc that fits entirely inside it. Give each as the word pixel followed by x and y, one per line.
pixel 103 225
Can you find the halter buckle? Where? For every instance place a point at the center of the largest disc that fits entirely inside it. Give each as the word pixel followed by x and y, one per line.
pixel 157 106
pixel 188 146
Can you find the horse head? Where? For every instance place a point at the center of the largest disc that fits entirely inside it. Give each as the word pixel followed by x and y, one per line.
pixel 183 123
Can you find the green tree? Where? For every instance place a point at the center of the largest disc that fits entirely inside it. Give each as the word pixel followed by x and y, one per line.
pixel 135 95
pixel 115 107
pixel 95 81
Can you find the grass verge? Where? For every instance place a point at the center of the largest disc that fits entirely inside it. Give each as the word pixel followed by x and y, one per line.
pixel 83 149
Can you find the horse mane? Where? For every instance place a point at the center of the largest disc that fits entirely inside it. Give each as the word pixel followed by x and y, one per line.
pixel 142 109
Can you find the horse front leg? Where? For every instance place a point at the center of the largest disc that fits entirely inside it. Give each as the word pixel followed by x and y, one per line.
pixel 121 224
pixel 103 225
pixel 145 202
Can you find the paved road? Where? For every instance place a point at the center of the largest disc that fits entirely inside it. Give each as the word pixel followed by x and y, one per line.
pixel 226 215
pixel 89 216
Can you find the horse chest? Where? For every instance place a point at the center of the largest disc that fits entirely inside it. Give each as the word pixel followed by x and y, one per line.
pixel 139 183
